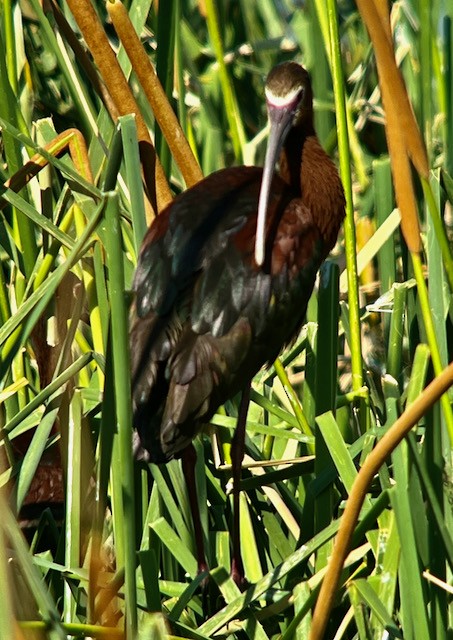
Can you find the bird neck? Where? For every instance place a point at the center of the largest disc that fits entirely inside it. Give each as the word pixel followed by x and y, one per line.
pixel 313 177
pixel 292 155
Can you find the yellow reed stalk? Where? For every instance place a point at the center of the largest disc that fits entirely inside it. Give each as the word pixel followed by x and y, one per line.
pixel 391 80
pixel 372 464
pixel 403 134
pixel 155 94
pixel 116 83
pixel 70 140
pixel 401 171
pixel 84 60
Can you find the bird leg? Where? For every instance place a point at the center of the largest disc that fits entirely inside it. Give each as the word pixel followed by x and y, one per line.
pixel 188 460
pixel 237 455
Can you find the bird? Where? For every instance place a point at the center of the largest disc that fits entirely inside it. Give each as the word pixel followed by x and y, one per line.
pixel 223 279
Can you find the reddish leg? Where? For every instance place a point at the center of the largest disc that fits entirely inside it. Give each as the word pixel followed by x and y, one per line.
pixel 237 455
pixel 189 459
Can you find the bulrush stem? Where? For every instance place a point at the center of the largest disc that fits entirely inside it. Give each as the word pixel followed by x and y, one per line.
pixel 116 83
pixel 372 464
pixel 402 141
pixel 165 116
pixel 84 60
pixel 403 135
pixel 401 171
pixel 376 17
pixel 71 140
pixel 79 154
pixel 401 131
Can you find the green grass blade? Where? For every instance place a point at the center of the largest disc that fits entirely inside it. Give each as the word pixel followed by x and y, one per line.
pixel 133 176
pixel 122 385
pixel 370 599
pixel 231 106
pixel 345 172
pixel 73 501
pixel 32 577
pixel 414 609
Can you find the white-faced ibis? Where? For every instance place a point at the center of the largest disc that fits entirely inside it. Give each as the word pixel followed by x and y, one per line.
pixel 224 277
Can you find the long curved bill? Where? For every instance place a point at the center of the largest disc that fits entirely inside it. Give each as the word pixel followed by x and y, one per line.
pixel 280 119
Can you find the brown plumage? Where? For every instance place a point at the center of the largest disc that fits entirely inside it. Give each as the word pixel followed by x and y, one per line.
pixel 222 284
pixel 207 314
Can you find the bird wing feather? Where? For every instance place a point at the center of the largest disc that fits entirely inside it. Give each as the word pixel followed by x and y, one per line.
pixel 206 318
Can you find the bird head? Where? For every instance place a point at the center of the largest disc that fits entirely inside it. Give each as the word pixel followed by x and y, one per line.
pixel 289 103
